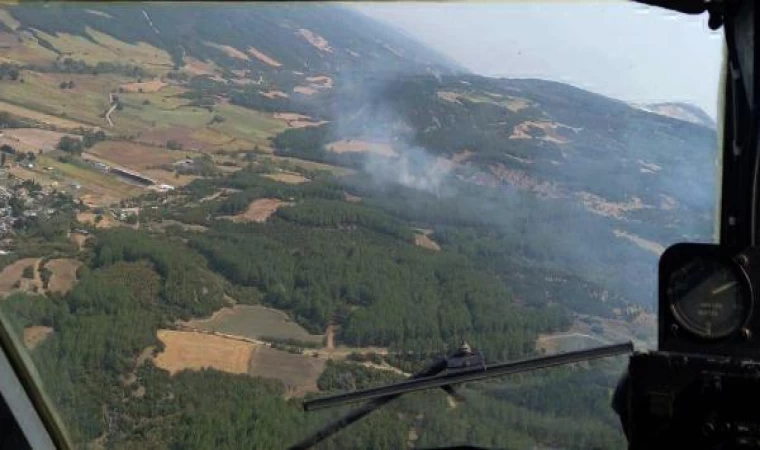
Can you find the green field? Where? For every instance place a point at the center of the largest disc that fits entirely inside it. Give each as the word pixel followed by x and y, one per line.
pixel 86 102
pixel 104 48
pixel 255 322
pixel 243 123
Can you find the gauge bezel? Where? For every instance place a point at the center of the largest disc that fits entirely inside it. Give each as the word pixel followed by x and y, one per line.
pixel 744 287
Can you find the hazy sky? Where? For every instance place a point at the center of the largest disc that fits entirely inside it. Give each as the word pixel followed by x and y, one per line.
pixel 625 50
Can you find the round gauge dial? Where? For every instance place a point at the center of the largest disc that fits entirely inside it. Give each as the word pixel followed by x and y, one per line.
pixel 709 299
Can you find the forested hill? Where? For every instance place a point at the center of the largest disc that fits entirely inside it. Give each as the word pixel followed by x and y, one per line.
pixel 640 180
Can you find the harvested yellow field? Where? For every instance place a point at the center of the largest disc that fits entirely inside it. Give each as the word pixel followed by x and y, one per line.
pixel 263 58
pixel 287 177
pixel 190 350
pixel 356 146
pixel 34 335
pixel 64 274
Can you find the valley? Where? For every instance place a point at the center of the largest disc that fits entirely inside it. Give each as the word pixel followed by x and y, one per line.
pixel 202 228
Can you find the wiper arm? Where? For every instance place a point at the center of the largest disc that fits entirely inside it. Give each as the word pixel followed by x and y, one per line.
pixel 427 379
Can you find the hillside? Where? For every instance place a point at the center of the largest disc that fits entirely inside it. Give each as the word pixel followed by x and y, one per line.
pixel 266 202
pixel 682 111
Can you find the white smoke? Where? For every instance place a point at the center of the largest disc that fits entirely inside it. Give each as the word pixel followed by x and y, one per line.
pixel 413 167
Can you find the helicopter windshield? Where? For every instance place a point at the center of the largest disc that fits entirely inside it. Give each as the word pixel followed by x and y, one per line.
pixel 210 213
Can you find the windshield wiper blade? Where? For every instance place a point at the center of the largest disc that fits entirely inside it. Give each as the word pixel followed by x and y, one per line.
pixel 427 379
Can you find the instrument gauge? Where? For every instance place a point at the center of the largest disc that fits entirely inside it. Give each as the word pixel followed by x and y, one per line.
pixel 709 298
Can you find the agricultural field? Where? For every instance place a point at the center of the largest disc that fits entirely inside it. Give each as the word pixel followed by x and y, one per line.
pixel 31 139
pixel 85 102
pixel 246 124
pixel 135 156
pixel 22 48
pixel 39 117
pixel 254 322
pixel 190 350
pixel 104 48
pixel 310 165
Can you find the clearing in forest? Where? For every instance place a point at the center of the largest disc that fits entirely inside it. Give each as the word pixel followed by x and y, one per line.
pixel 549 130
pixel 64 274
pixel 299 373
pixel 646 244
pixel 287 177
pixel 259 210
pixel 263 57
pixel 274 94
pixel 79 239
pixel 422 239
pixel 232 52
pixel 295 120
pixel 357 146
pixel 34 335
pixel 190 350
pixel 254 322
pixel 314 39
pixel 12 276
